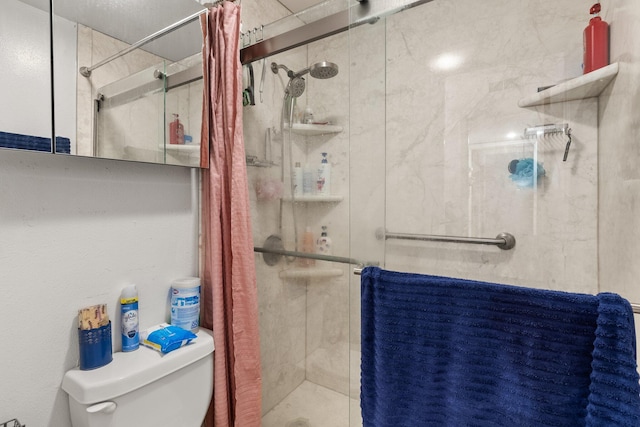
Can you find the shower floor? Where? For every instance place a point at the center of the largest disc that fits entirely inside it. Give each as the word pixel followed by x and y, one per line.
pixel 311 405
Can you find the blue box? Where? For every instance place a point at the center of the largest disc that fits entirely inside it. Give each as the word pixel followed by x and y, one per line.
pixel 95 347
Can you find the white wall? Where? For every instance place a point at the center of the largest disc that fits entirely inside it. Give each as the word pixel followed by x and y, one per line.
pixel 74 232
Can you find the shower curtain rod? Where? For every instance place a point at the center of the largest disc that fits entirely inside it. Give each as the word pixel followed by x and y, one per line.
pixel 362 13
pixel 504 241
pixel 86 71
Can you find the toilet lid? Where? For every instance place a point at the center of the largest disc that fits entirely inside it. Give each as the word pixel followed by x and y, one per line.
pixel 132 370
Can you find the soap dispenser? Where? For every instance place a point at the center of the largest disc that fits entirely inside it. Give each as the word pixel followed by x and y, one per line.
pixel 176 131
pixel 307 247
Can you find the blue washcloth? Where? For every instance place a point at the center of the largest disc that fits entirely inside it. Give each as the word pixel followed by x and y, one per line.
pixel 524 171
pixel 441 352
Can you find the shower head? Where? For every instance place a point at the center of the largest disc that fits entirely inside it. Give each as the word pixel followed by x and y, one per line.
pixel 323 70
pixel 320 70
pixel 296 87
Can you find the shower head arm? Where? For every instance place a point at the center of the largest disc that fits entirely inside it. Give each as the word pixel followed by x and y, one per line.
pixel 275 67
pixel 301 72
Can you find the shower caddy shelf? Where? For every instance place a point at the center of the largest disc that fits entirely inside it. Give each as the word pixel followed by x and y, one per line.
pixel 315 199
pixel 181 148
pixel 586 86
pixel 314 130
pixel 310 273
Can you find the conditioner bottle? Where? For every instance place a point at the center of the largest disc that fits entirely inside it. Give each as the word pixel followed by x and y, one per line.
pixel 323 177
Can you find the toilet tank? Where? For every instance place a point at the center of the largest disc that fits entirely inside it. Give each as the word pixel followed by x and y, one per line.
pixel 145 388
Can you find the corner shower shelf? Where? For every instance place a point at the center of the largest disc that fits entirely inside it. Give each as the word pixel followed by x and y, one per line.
pixel 310 273
pixel 186 148
pixel 312 130
pixel 582 87
pixel 316 199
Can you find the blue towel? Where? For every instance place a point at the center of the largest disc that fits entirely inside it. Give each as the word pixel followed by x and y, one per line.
pixel 443 352
pixel 34 143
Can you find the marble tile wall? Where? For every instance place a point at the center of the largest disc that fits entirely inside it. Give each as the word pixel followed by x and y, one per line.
pixel 618 174
pixel 453 125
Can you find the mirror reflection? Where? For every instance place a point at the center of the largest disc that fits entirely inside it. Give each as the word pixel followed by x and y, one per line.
pixel 25 109
pixel 128 79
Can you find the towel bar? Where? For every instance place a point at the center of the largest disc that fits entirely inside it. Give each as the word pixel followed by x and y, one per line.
pixel 635 307
pixel 504 241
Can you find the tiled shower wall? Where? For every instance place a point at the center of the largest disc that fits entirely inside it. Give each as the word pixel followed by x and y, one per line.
pixel 619 151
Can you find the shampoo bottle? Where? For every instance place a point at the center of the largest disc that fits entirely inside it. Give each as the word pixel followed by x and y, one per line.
pixel 176 131
pixel 323 244
pixel 297 180
pixel 308 247
pixel 130 323
pixel 308 116
pixel 307 180
pixel 595 42
pixel 323 178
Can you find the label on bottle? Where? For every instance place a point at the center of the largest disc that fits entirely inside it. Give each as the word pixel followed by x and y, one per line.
pixel 130 335
pixel 307 181
pixel 185 307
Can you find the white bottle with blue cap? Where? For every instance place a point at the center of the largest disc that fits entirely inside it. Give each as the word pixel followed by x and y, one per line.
pixel 323 181
pixel 129 317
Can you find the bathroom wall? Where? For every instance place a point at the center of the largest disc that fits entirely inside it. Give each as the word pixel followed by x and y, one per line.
pixel 618 173
pixel 74 232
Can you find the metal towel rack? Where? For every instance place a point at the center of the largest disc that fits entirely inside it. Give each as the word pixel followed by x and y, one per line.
pixel 634 307
pixel 504 241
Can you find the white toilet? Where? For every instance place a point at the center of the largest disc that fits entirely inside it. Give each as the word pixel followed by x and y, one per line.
pixel 145 388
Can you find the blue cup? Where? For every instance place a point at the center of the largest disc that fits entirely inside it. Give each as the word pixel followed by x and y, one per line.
pixel 95 347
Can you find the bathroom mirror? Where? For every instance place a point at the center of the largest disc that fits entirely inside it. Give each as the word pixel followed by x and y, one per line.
pixel 25 108
pixel 140 102
pixel 129 88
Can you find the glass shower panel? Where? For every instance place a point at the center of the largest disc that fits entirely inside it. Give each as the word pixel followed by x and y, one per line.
pixel 303 304
pixel 367 178
pixel 120 110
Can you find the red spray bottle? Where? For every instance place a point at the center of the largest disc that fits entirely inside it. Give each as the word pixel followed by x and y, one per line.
pixel 596 42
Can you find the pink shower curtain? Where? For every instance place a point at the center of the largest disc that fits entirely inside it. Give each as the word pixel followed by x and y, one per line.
pixel 229 295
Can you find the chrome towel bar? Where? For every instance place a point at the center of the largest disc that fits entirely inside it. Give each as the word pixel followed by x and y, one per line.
pixel 503 240
pixel 634 307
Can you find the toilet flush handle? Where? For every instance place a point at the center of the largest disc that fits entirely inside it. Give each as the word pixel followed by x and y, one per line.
pixel 105 407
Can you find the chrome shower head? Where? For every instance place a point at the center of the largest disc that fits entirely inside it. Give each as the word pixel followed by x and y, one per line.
pixel 296 87
pixel 297 84
pixel 323 70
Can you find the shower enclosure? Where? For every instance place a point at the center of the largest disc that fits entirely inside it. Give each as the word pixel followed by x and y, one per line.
pixel 421 125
